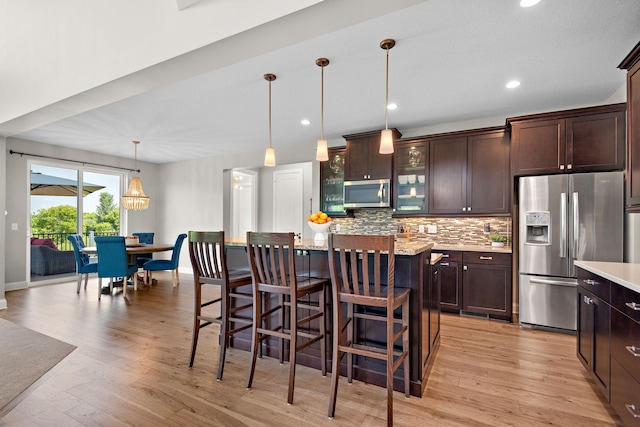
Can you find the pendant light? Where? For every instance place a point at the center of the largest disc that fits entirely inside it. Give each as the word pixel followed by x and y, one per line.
pixel 270 153
pixel 135 199
pixel 386 137
pixel 322 154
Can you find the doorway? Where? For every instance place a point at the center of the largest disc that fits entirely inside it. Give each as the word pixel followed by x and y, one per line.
pixel 64 201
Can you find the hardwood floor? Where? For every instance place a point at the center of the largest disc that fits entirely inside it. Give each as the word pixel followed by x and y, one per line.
pixel 130 368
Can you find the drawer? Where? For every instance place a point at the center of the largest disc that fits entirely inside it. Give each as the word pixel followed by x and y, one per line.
pixel 491 258
pixel 625 395
pixel 449 256
pixel 625 342
pixel 626 300
pixel 595 284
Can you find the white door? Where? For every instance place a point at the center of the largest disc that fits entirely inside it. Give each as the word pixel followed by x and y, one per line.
pixel 288 201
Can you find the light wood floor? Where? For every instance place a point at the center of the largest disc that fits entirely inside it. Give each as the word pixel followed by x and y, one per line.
pixel 130 368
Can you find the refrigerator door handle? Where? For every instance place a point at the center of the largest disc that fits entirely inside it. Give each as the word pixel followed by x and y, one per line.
pixel 553 282
pixel 576 225
pixel 563 225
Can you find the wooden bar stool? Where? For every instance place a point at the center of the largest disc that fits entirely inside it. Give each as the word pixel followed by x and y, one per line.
pixel 359 284
pixel 273 270
pixel 208 259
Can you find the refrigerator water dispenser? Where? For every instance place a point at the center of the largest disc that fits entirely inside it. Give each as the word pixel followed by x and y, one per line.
pixel 538 225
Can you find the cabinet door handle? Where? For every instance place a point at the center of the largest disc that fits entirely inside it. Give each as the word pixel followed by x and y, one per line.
pixel 635 351
pixel 587 300
pixel 468 208
pixel 464 209
pixel 446 264
pixel 447 256
pixel 465 268
pixel 633 305
pixel 569 166
pixel 486 257
pixel 561 167
pixel 633 409
pixel 590 282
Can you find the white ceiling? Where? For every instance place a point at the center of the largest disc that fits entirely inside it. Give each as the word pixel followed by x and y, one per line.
pixel 450 65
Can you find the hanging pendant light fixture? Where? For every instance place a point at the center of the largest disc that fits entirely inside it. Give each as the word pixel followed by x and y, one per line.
pixel 270 153
pixel 386 137
pixel 135 199
pixel 322 154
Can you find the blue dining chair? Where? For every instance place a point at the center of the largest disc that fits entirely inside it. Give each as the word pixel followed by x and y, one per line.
pixel 112 262
pixel 146 238
pixel 165 264
pixel 83 263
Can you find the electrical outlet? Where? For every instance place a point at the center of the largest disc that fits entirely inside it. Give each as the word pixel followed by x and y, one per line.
pixel 14 226
pixel 421 229
pixel 337 227
pixel 432 229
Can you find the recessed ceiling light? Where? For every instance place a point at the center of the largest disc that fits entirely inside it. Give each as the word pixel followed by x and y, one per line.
pixel 512 84
pixel 528 3
pixel 392 106
pixel 305 122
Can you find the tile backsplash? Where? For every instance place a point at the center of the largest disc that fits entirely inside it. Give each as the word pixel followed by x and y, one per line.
pixel 449 230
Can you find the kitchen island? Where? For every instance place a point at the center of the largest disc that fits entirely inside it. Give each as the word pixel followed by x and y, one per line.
pixel 412 270
pixel 608 342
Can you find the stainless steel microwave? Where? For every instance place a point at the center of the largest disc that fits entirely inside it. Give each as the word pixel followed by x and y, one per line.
pixel 373 193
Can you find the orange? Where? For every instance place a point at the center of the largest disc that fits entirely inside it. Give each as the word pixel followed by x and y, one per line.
pixel 313 217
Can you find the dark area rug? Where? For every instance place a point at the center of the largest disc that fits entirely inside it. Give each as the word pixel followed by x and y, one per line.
pixel 25 356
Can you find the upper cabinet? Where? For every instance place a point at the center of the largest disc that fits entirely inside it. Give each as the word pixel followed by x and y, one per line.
pixel 362 160
pixel 632 64
pixel 469 173
pixel 412 162
pixel 332 183
pixel 583 140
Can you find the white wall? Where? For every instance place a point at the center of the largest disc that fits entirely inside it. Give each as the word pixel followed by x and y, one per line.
pixel 3 188
pixel 17 198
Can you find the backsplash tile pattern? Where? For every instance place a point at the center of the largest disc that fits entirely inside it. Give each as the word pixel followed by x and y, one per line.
pixel 450 230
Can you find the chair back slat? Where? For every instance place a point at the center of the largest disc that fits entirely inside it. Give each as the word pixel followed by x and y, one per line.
pixel 206 250
pixel 271 258
pixel 350 277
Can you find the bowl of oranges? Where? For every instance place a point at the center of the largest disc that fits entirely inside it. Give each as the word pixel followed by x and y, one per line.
pixel 319 223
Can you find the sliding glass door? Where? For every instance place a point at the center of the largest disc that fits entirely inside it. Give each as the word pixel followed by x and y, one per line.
pixel 66 201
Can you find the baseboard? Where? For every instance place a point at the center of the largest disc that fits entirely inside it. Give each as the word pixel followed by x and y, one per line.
pixel 15 286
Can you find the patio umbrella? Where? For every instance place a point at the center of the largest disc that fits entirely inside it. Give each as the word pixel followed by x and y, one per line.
pixel 48 185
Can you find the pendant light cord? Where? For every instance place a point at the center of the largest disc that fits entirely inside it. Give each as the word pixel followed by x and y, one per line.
pixel 386 95
pixel 270 114
pixel 322 103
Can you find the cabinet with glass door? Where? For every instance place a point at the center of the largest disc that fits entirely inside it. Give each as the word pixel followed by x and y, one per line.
pixel 332 183
pixel 411 177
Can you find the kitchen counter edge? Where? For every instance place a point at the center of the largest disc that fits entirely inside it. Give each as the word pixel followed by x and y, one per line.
pixel 623 273
pixel 401 248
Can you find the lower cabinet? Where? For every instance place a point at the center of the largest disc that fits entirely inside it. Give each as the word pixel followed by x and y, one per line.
pixel 593 337
pixel 486 284
pixel 608 342
pixel 450 272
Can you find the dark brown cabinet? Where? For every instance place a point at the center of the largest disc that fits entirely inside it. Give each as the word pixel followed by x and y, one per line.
pixel 608 343
pixel 593 337
pixel 486 284
pixel 362 159
pixel 582 140
pixel 410 183
pixel 450 272
pixel 469 173
pixel 332 183
pixel 632 64
pixel 625 354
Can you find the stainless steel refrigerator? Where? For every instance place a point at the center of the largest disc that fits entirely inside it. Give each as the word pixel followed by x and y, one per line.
pixel 564 218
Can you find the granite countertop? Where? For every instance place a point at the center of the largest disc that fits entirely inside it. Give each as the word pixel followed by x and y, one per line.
pixel 622 273
pixel 472 248
pixel 435 257
pixel 401 248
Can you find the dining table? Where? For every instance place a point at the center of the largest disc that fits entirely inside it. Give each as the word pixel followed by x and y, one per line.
pixel 133 251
